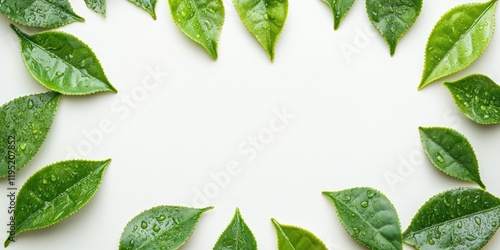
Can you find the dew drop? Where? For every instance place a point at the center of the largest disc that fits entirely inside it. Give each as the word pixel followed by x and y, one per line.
pixel 432 242
pixel 466 104
pixel 494 224
pixel 483 108
pixel 23 146
pixel 364 204
pixel 161 218
pixel 478 221
pixel 135 228
pixel 356 230
pixel 183 13
pixel 144 225
pixel 198 35
pixel 459 224
pixel 370 194
pixel 439 158
pixel 53 178
pixel 44 181
pixel 156 228
pixel 30 104
pixel 470 237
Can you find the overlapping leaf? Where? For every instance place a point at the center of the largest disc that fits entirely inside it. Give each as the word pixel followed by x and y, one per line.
pixel 237 236
pixel 296 238
pixel 147 5
pixel 339 10
pixel 98 6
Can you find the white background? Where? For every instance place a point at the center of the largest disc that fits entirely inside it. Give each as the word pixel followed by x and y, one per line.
pixel 356 122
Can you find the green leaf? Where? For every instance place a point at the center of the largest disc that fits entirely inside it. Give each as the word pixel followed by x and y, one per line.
pixel 339 9
pixel 393 18
pixel 237 236
pixel 464 218
pixel 162 227
pixel 200 20
pixel 62 63
pixel 98 6
pixel 450 152
pixel 264 19
pixel 40 13
pixel 478 97
pixel 369 217
pixel 147 5
pixel 55 192
pixel 296 238
pixel 458 39
pixel 24 124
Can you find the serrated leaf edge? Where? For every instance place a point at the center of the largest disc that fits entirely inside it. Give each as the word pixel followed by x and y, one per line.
pixel 237 215
pixel 151 12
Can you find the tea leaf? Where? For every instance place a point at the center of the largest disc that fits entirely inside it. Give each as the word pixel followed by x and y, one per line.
pixel 147 5
pixel 24 124
pixel 163 227
pixel 62 63
pixel 296 238
pixel 98 6
pixel 393 18
pixel 464 218
pixel 339 9
pixel 55 192
pixel 369 217
pixel 458 39
pixel 40 13
pixel 237 236
pixel 200 20
pixel 478 97
pixel 450 152
pixel 264 19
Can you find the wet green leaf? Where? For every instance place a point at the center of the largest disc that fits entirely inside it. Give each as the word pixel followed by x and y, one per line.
pixel 464 218
pixel 458 39
pixel 393 18
pixel 40 13
pixel 369 217
pixel 147 5
pixel 162 227
pixel 237 236
pixel 478 97
pixel 62 63
pixel 264 19
pixel 200 20
pixel 24 124
pixel 98 6
pixel 55 192
pixel 339 9
pixel 450 152
pixel 296 238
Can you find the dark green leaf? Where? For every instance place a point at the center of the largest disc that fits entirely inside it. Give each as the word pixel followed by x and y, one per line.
pixel 163 227
pixel 98 6
pixel 339 10
pixel 62 63
pixel 459 219
pixel 40 13
pixel 369 217
pixel 296 238
pixel 393 18
pixel 451 153
pixel 147 5
pixel 264 19
pixel 24 124
pixel 478 97
pixel 237 236
pixel 458 39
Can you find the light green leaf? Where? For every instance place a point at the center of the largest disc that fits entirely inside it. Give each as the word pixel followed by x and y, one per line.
pixel 459 219
pixel 458 39
pixel 62 63
pixel 56 192
pixel 200 20
pixel 264 19
pixel 40 13
pixel 339 9
pixel 478 97
pixel 369 217
pixel 450 152
pixel 162 227
pixel 237 236
pixel 98 6
pixel 147 5
pixel 393 18
pixel 24 124
pixel 296 238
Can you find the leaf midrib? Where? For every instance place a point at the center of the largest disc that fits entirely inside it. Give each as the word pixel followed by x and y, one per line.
pixel 57 7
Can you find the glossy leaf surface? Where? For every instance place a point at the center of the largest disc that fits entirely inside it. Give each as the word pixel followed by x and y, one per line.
pixel 24 124
pixel 200 20
pixel 369 217
pixel 393 18
pixel 339 10
pixel 461 219
pixel 478 97
pixel 458 38
pixel 56 192
pixel 162 227
pixel 62 63
pixel 450 152
pixel 237 236
pixel 98 6
pixel 296 238
pixel 147 5
pixel 264 19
